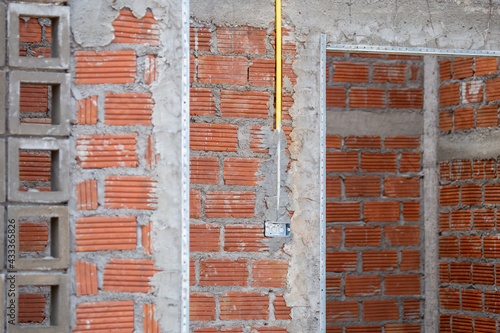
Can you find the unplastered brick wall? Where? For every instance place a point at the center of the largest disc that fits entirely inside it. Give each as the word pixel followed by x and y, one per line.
pixel 237 278
pixel 114 186
pixel 374 255
pixel 469 197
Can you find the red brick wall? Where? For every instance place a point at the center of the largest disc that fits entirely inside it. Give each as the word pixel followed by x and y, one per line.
pixel 374 191
pixel 116 188
pixel 469 195
pixel 234 276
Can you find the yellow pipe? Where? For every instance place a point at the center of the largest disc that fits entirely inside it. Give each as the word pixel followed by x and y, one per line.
pixel 278 65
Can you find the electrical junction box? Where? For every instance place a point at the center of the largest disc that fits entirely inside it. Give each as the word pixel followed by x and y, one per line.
pixel 276 229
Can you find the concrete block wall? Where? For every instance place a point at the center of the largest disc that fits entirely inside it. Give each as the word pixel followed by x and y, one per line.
pixel 374 255
pixel 238 277
pixel 469 196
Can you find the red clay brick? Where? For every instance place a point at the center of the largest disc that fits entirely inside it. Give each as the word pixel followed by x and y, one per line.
pixel 214 137
pixel 333 141
pixel 261 72
pixel 336 97
pixel 492 193
pixel 147 239
pixel 268 329
pixel 492 89
pixel 244 238
pixel 222 69
pixel 129 29
pixel 445 70
pixel 288 73
pixel 204 170
pixel 464 118
pixel 444 272
pixel 460 220
pixel 201 307
pixel 381 211
pixel 366 97
pixel 342 311
pixel 333 188
pixel 281 310
pixel 149 324
pixel 114 316
pixel 411 309
pixel 471 194
pixel 448 246
pixel 244 306
pixel 449 195
pixel 460 272
pixel 407 328
pixel 30 30
pixel 378 162
pixel 484 325
pixel 445 120
pixel 362 236
pixel 241 40
pixel 410 162
pixel 101 233
pixel 375 310
pixel 491 246
pixel 350 72
pixel 397 284
pixel 462 67
pixel 405 98
pixel 415 73
pixel 472 92
pixel 470 246
pixel 286 104
pixel 34 166
pixel 342 161
pixel 333 236
pixel 389 73
pixel 410 260
pixel 461 323
pixel 346 211
pixel 357 142
pixel 193 66
pixel 200 39
pixel 118 67
pixel 402 187
pixel 33 236
pixel 87 111
pixel 241 171
pixel 483 274
pixel 449 298
pixel 363 329
pixel 150 156
pixel 131 192
pixel 269 273
pixel 194 204
pixel 445 323
pixel 402 142
pixel 341 261
pixel 362 186
pixel 487 116
pixel 119 110
pixel 333 286
pixel 128 275
pixel 31 308
pixel 223 272
pixel 366 285
pixel 221 329
pixel 492 301
pixel 379 260
pixel 86 195
pixel 204 238
pixel 105 151
pixel 201 102
pixel 244 104
pixel 230 204
pixel 444 221
pixel 484 219
pixel 485 66
pixel 411 210
pixel 449 94
pixel 402 235
pixel 86 278
pixel 472 300
pixel 192 272
pixel 461 169
pixel 150 69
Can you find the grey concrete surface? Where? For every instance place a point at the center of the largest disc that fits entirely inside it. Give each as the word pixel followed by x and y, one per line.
pixel 3 173
pixel 60 42
pixel 58 238
pixel 478 144
pixel 60 103
pixel 3 101
pixel 3 35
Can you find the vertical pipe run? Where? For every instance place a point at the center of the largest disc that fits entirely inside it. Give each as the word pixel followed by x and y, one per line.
pixel 278 105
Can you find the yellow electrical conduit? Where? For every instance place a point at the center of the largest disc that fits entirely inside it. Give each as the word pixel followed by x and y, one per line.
pixel 278 65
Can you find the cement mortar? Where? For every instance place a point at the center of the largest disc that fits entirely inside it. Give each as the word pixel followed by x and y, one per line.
pixel 479 144
pixel 465 24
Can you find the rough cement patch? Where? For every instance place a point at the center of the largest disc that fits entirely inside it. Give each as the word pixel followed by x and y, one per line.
pixel 303 280
pixel 431 194
pixel 348 123
pixel 474 145
pixel 415 23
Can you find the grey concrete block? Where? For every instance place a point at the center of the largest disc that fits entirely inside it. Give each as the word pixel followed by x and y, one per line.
pixel 2 241
pixel 2 170
pixel 59 170
pixel 60 35
pixel 59 302
pixel 3 37
pixel 60 103
pixel 58 238
pixel 3 102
